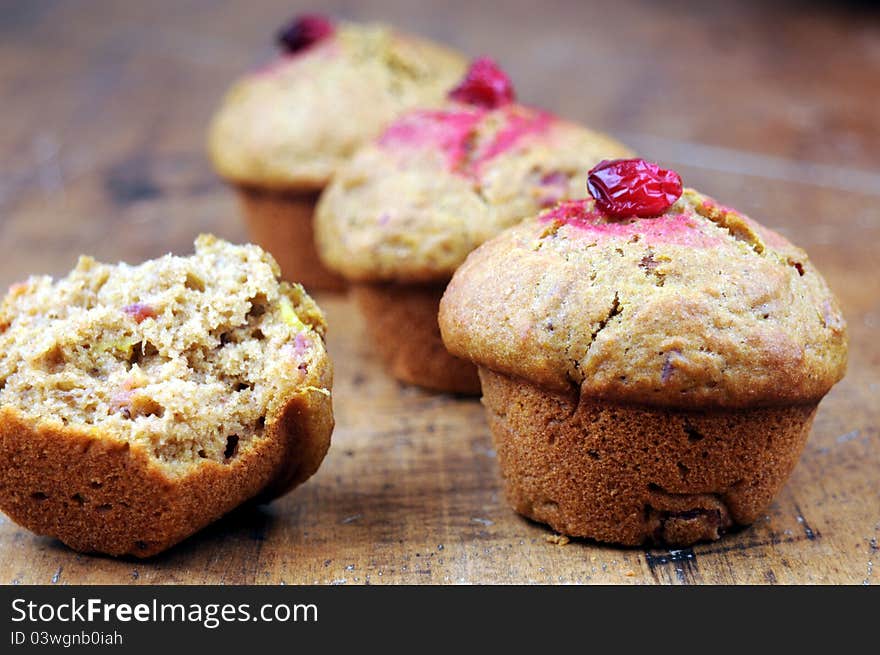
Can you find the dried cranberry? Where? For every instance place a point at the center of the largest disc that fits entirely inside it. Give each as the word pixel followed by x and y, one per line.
pixel 484 85
pixel 304 31
pixel 139 312
pixel 633 187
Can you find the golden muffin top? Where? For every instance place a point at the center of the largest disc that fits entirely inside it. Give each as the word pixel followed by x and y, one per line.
pixel 698 306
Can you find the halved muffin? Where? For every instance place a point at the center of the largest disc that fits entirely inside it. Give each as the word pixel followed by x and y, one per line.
pixel 140 403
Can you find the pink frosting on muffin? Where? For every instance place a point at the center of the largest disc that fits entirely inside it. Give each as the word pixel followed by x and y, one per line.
pixel 447 130
pixel 453 132
pixel 679 229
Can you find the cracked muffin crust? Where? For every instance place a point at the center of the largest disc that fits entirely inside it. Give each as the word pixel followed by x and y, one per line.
pixel 284 131
pixel 699 307
pixel 404 213
pixel 140 403
pixel 646 379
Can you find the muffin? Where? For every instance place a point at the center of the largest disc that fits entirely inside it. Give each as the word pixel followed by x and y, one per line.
pixel 140 403
pixel 283 132
pixel 402 215
pixel 650 361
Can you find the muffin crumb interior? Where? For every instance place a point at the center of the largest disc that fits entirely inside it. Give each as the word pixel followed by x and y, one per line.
pixel 187 357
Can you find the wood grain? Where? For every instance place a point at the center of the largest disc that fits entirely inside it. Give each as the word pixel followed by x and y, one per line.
pixel 770 107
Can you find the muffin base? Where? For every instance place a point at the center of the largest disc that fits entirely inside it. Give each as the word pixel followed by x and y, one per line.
pixel 97 493
pixel 402 325
pixel 281 223
pixel 635 475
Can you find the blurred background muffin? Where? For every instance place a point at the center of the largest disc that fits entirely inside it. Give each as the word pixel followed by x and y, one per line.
pixel 283 131
pixel 401 216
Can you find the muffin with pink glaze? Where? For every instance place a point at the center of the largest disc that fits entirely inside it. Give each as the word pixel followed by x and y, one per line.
pixel 402 215
pixel 651 362
pixel 283 131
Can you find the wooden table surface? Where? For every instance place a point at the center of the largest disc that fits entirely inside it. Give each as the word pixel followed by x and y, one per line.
pixel 771 107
